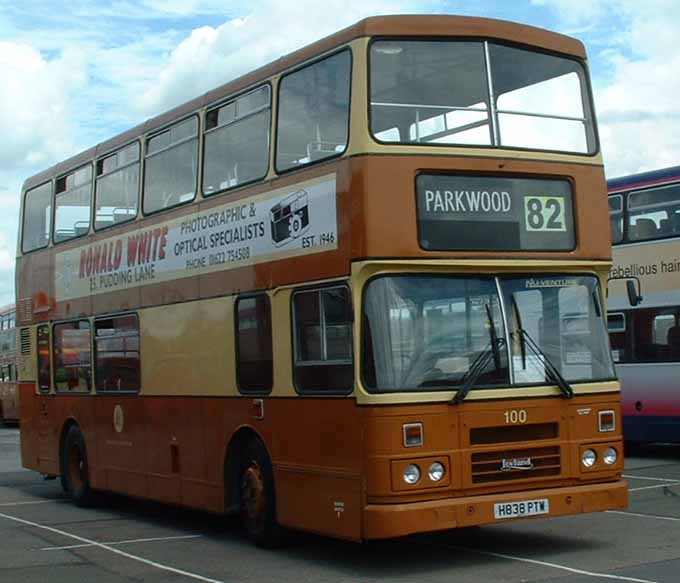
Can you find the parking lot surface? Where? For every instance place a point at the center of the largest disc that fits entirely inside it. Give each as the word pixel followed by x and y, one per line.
pixel 45 538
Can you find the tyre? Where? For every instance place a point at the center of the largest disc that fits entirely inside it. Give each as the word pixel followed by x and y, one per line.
pixel 74 469
pixel 257 499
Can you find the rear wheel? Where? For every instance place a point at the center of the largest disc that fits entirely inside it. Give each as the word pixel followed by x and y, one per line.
pixel 257 497
pixel 74 469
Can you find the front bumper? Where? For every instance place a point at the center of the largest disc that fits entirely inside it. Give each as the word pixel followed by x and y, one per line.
pixel 392 520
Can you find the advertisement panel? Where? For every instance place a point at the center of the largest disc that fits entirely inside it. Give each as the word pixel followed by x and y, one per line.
pixel 288 222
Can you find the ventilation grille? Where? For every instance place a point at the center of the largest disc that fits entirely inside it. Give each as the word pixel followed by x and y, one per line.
pixel 25 310
pixel 505 434
pixel 515 464
pixel 25 342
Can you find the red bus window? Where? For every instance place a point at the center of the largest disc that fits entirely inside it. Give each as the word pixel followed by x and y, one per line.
pixel 44 369
pixel 72 356
pixel 117 353
pixel 254 344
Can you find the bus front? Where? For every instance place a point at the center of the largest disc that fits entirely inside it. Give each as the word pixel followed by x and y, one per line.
pixel 484 369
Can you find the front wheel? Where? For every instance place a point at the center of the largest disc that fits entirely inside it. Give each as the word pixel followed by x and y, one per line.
pixel 74 469
pixel 257 496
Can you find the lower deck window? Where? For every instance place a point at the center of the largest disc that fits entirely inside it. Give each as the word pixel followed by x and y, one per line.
pixel 255 368
pixel 117 353
pixel 72 356
pixel 646 335
pixel 323 340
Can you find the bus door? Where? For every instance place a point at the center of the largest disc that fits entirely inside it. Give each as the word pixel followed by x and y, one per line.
pixel 48 444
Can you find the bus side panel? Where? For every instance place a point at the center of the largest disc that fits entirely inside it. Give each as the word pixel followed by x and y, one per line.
pixel 176 450
pixel 9 405
pixel 34 281
pixel 29 427
pixel 651 410
pixel 122 434
pixel 318 465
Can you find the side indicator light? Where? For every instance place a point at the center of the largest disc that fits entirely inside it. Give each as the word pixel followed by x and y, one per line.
pixel 607 421
pixel 412 434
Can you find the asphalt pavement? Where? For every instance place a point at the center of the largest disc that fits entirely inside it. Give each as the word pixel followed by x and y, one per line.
pixel 44 538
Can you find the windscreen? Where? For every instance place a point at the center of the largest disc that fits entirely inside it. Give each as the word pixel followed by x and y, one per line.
pixel 426 332
pixel 423 332
pixel 480 94
pixel 564 317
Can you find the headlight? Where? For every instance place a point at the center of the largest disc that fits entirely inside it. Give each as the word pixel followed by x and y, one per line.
pixel 589 458
pixel 411 474
pixel 610 456
pixel 436 471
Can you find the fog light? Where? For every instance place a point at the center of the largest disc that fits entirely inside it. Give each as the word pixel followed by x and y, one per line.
pixel 610 456
pixel 411 474
pixel 436 471
pixel 589 458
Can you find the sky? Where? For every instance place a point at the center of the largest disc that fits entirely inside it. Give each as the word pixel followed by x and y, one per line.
pixel 76 72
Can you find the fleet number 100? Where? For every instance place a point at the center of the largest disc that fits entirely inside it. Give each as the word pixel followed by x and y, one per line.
pixel 515 416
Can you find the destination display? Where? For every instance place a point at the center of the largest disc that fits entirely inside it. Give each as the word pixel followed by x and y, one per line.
pixel 483 213
pixel 289 222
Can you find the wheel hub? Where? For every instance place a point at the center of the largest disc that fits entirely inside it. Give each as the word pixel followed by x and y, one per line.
pixel 253 493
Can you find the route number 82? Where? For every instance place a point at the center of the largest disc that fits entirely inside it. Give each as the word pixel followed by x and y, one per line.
pixel 544 213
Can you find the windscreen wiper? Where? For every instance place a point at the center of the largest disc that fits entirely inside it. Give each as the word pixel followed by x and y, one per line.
pixel 552 370
pixel 522 343
pixel 491 352
pixel 479 364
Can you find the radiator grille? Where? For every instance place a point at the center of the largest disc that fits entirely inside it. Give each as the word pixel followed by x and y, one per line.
pixel 25 341
pixel 515 464
pixel 514 433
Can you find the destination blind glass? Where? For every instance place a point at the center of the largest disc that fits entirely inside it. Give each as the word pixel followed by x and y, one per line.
pixel 482 213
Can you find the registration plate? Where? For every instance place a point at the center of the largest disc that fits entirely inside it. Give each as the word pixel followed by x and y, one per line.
pixel 523 508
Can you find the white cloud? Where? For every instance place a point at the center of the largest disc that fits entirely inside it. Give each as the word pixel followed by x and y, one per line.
pixel 37 127
pixel 210 56
pixel 577 12
pixel 35 96
pixel 637 105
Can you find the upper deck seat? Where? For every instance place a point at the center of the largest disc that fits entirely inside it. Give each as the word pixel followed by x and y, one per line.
pixel 675 223
pixel 673 338
pixel 644 229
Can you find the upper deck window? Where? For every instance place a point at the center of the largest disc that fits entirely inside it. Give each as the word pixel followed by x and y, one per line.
pixel 73 202
pixel 481 94
pixel 171 166
pixel 654 213
pixel 37 217
pixel 237 142
pixel 313 121
pixel 117 189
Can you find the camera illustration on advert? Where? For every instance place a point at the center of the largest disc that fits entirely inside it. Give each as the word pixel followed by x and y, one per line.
pixel 290 218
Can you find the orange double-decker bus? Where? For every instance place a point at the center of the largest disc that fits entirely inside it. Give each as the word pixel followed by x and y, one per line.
pixel 9 396
pixel 357 292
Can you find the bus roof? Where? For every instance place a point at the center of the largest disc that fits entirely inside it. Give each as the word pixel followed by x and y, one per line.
pixel 642 179
pixel 399 26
